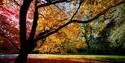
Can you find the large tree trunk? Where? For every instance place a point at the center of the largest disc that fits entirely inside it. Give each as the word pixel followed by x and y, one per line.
pixel 22 57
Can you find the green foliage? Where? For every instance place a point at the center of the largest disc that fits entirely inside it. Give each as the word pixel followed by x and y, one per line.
pixel 117 34
pixel 110 36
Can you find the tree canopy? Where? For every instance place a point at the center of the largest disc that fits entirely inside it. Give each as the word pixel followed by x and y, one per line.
pixel 59 26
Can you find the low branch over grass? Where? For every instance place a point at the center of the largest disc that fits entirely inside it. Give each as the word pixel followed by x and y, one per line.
pixel 46 34
pixel 42 36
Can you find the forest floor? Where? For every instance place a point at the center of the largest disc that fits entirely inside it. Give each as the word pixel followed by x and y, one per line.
pixel 53 58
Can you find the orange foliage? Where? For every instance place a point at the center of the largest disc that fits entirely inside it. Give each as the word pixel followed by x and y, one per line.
pixel 51 17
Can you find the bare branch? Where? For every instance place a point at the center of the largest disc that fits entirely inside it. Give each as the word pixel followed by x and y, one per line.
pixel 50 3
pixel 16 3
pixel 57 7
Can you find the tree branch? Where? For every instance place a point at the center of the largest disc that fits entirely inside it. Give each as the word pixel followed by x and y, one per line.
pixel 31 43
pixel 98 15
pixel 16 3
pixel 50 3
pixel 44 34
pixel 41 35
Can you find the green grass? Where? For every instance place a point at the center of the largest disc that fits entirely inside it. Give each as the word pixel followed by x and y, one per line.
pixel 113 57
pixel 98 57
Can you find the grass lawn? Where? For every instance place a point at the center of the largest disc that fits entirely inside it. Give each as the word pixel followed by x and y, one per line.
pixel 68 56
pixel 55 58
pixel 114 57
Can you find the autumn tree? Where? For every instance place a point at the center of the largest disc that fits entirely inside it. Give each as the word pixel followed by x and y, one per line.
pixel 87 11
pixel 56 22
pixel 9 26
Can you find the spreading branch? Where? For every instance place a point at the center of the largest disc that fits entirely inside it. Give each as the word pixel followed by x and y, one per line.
pixel 46 34
pixel 42 36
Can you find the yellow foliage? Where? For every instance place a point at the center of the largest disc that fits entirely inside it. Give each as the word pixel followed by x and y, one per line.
pixel 51 18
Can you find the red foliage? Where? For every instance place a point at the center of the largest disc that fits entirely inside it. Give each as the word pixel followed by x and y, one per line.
pixel 9 22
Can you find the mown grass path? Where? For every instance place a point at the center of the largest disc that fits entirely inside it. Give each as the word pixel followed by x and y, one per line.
pixel 50 58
